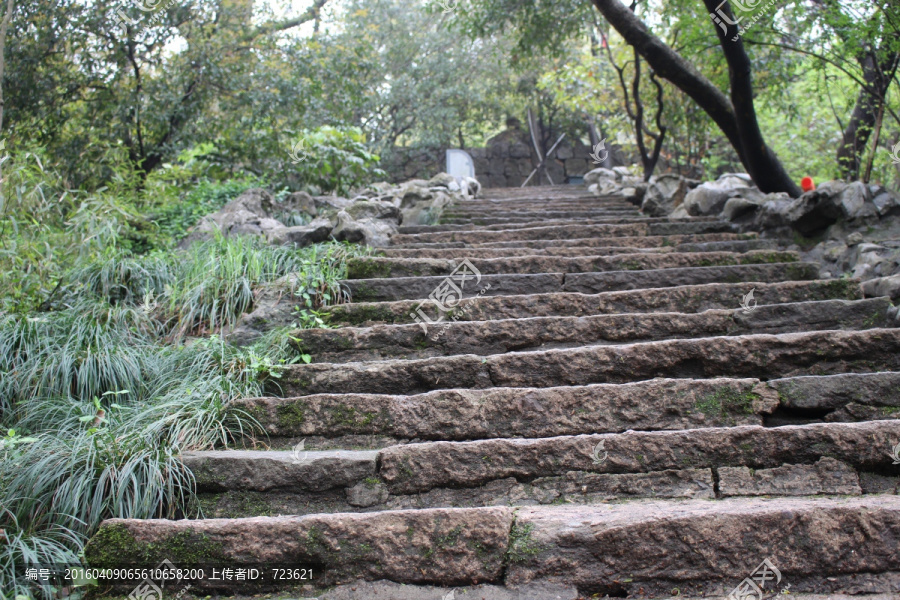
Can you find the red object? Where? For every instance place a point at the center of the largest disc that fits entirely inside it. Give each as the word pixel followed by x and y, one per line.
pixel 807 184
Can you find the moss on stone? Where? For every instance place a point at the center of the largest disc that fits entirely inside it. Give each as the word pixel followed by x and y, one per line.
pixel 115 545
pixel 365 268
pixel 726 401
pixel 522 545
pixel 364 292
pixel 236 504
pixel 342 415
pixel 291 415
pixel 358 315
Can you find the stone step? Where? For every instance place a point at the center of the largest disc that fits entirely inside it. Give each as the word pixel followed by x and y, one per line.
pixel 329 420
pixel 687 299
pixel 629 241
pixel 531 210
pixel 708 463
pixel 373 267
pixel 848 397
pixel 695 546
pixel 567 250
pixel 681 548
pixel 562 232
pixel 511 205
pixel 383 342
pixel 762 356
pixel 419 468
pixel 412 288
pixel 554 232
pixel 449 546
pixel 530 223
pixel 539 203
pixel 484 219
pixel 513 208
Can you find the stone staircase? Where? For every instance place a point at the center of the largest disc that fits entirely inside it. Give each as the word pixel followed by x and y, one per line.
pixel 599 415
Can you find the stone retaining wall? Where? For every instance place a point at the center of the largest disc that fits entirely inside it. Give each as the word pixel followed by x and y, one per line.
pixel 506 161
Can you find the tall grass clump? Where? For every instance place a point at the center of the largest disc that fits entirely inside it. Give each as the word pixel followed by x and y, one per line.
pixel 215 285
pixel 103 390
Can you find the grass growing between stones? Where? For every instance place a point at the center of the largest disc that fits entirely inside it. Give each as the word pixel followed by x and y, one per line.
pixel 123 369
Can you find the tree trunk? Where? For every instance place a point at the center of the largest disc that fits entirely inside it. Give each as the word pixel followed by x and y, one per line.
pixel 760 162
pixel 762 165
pixel 877 77
pixel 4 28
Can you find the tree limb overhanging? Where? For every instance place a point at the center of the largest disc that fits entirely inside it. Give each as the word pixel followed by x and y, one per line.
pixel 669 65
pixel 760 162
pixel 762 165
pixel 311 14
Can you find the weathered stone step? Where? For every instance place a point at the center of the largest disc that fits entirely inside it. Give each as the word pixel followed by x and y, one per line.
pixel 309 471
pixel 633 241
pixel 447 546
pixel 384 342
pixel 561 232
pixel 511 208
pixel 689 298
pixel 699 547
pixel 762 356
pixel 224 495
pixel 650 549
pixel 459 414
pixel 555 232
pixel 412 288
pixel 543 221
pixel 567 250
pixel 539 203
pixel 847 397
pixel 485 219
pixel 418 468
pixel 373 267
pixel 513 212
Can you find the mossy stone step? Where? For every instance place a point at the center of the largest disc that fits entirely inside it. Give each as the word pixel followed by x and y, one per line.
pixel 602 241
pixel 688 298
pixel 420 288
pixel 568 250
pixel 382 342
pixel 374 267
pixel 339 420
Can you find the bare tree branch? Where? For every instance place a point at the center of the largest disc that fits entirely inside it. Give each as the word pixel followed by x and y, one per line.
pixel 311 14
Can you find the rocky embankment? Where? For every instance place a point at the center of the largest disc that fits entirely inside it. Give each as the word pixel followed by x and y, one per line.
pixel 850 229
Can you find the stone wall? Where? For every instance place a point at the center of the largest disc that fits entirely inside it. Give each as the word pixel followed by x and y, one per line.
pixel 507 161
